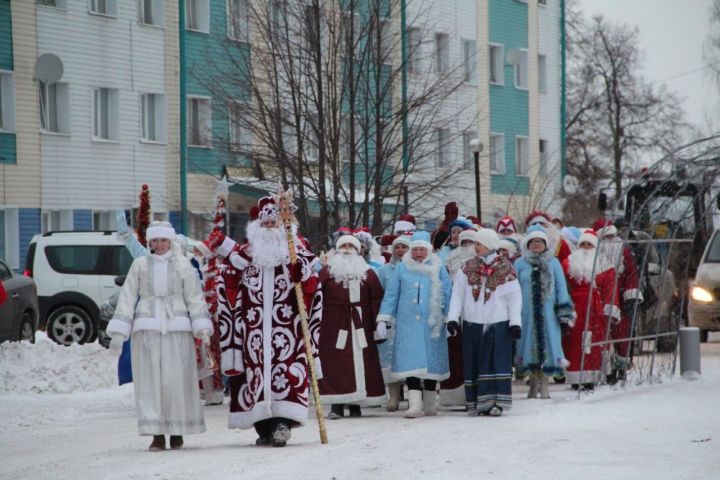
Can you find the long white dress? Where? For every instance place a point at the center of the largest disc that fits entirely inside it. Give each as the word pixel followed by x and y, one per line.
pixel 161 305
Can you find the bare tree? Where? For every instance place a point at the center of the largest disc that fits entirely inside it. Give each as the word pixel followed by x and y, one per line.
pixel 615 118
pixel 322 109
pixel 711 48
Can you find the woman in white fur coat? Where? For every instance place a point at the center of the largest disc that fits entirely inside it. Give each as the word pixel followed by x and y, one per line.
pixel 162 306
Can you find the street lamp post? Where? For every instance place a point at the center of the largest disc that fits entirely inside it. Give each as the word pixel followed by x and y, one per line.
pixel 476 146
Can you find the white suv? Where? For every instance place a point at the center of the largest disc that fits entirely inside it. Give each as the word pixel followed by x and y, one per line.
pixel 75 273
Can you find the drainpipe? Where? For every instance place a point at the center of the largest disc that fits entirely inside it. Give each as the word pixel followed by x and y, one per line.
pixel 404 106
pixel 563 93
pixel 183 121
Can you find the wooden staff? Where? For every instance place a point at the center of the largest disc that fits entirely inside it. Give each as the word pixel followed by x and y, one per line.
pixel 287 216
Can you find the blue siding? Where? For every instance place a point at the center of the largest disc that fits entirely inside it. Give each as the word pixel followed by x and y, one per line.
pixel 82 220
pixel 6 46
pixel 8 149
pixel 29 223
pixel 509 105
pixel 212 70
pixel 175 219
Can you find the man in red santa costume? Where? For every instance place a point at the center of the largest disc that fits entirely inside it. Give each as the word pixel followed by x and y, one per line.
pixel 506 228
pixel 614 254
pixel 261 341
pixel 556 243
pixel 591 285
pixel 351 299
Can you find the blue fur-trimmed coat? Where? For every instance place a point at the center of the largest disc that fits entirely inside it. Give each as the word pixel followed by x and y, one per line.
pixel 416 302
pixel 540 346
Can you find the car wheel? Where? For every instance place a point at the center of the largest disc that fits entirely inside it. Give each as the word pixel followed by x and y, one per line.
pixel 27 328
pixel 704 335
pixel 69 324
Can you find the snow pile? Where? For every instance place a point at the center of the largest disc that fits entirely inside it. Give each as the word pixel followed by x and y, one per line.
pixel 46 367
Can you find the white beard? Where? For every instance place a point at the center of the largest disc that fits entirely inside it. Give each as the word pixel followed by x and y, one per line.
pixel 268 247
pixel 457 258
pixel 580 264
pixel 345 267
pixel 611 255
pixel 554 237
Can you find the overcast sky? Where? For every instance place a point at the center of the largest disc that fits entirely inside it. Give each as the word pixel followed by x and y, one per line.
pixel 672 33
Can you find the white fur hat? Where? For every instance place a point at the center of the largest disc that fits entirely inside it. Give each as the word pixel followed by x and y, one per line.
pixel 352 240
pixel 588 236
pixel 487 237
pixel 607 230
pixel 404 239
pixel 421 239
pixel 160 230
pixel 508 245
pixel 467 235
pixel 535 231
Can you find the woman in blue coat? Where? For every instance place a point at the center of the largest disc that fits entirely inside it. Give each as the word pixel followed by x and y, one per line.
pixel 547 311
pixel 415 304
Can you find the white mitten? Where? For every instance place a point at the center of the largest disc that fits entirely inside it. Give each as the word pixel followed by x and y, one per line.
pixel 116 343
pixel 381 331
pixel 205 337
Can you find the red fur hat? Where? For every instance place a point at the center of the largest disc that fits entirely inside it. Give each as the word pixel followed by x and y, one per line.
pixel 534 215
pixel 506 223
pixel 387 240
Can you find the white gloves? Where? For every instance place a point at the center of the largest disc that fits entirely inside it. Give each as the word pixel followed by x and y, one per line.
pixel 122 226
pixel 205 337
pixel 381 331
pixel 116 343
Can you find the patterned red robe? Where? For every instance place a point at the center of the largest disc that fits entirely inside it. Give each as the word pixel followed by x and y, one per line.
pixel 261 339
pixel 351 364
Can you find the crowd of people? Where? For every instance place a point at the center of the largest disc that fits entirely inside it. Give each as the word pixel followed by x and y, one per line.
pixel 460 310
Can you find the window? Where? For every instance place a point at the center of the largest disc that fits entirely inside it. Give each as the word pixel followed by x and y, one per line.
pixel 55 220
pixel 521 71
pixel 53 3
pixel 104 220
pixel 413 38
pixel 7 102
pixel 152 121
pixel 468 154
pixel 470 61
pixel 151 12
pixel 105 114
pixel 54 103
pixel 237 20
pixel 104 7
pixel 9 237
pixel 442 52
pixel 497 64
pixel 522 156
pixel 199 122
pixel 350 146
pixel 442 147
pixel 120 261
pixel 311 148
pixel 542 2
pixel 497 153
pixel 197 15
pixel 543 157
pixel 74 259
pixel 386 42
pixel 277 18
pixel 351 30
pixel 542 73
pixel 240 135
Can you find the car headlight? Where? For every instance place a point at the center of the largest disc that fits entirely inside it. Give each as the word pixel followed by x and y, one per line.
pixel 701 295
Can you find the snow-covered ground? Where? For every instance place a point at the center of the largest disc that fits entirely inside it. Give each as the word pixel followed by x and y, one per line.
pixel 63 419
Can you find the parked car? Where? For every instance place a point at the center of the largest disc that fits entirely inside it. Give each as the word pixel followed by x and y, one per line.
pixel 19 313
pixel 704 304
pixel 75 273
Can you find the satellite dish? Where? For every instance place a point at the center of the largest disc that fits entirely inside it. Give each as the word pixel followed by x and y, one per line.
pixel 570 184
pixel 515 56
pixel 48 68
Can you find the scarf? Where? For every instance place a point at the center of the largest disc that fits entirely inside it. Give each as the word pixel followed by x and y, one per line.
pixel 540 262
pixel 495 273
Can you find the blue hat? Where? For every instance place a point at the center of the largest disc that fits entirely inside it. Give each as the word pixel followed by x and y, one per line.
pixel 421 238
pixel 461 222
pixel 535 231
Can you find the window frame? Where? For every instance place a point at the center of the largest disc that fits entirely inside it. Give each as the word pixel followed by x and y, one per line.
pixel 441 49
pixel 500 153
pixel 113 114
pixel 203 16
pixel 543 156
pixel 518 161
pixel 496 63
pixel 8 111
pixel 61 106
pixel 209 135
pixel 522 67
pixel 111 8
pixel 234 127
pixel 542 73
pixel 159 118
pixel 443 144
pixel 157 11
pixel 233 27
pixel 470 76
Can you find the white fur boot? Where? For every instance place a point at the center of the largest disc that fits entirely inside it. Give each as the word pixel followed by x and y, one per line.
pixel 416 404
pixel 429 401
pixel 394 401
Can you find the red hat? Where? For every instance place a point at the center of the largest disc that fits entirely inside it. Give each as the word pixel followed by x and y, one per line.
pixel 474 220
pixel 405 223
pixel 406 217
pixel 254 213
pixel 506 223
pixel 588 236
pixel 387 240
pixel 600 223
pixel 535 216
pixel 267 209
